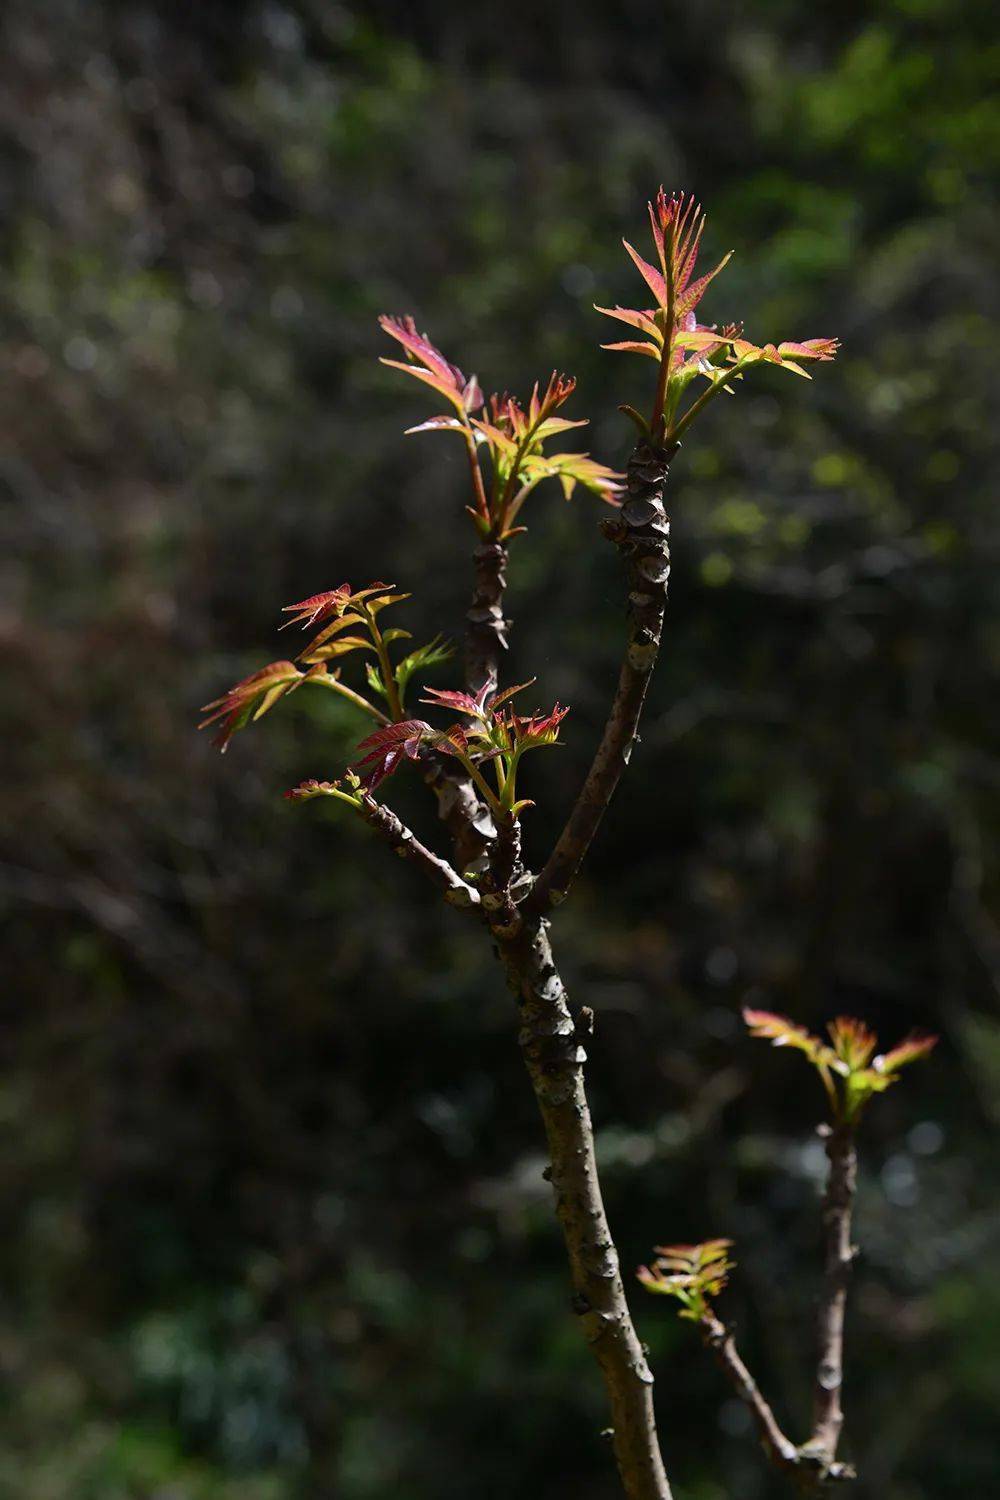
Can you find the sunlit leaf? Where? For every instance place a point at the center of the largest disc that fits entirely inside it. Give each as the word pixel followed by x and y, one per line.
pixel 250 699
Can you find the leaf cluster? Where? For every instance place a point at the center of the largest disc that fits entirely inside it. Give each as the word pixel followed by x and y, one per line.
pixel 691 1274
pixel 850 1069
pixel 349 623
pixel 510 434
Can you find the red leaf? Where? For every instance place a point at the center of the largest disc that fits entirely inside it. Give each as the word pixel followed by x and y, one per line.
pixel 252 697
pixel 781 1032
pixel 650 275
pixel 431 365
pixel 330 605
pixel 634 317
pixel 464 703
pixel 916 1046
pixel 627 346
pixel 386 749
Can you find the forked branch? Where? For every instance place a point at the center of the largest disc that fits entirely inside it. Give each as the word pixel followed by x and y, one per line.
pixel 852 1074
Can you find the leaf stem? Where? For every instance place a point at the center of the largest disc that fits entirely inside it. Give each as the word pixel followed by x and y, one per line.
pixel 480 783
pixel 359 701
pixel 501 519
pixel 385 663
pixel 705 397
pixel 475 470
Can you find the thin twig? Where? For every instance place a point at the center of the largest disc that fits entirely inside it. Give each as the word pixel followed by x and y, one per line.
pixel 780 1449
pixel 838 1205
pixel 642 534
pixel 406 844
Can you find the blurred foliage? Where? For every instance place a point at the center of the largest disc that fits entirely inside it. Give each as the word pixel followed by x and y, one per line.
pixel 275 1219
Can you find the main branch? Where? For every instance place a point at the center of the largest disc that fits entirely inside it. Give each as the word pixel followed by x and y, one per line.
pixel 642 534
pixel 485 626
pixel 551 1044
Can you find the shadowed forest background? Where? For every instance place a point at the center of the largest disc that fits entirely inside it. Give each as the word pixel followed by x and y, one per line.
pixel 275 1221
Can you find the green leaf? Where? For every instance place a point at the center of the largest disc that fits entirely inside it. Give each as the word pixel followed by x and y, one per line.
pixel 421 660
pixel 341 647
pixel 375 680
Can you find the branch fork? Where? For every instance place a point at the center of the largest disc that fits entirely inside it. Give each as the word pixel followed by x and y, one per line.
pixel 813 1464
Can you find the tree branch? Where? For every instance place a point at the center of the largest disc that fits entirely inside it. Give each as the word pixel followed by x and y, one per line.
pixel 551 1046
pixel 838 1205
pixel 780 1449
pixel 810 1468
pixel 406 844
pixel 815 1463
pixel 504 875
pixel 641 532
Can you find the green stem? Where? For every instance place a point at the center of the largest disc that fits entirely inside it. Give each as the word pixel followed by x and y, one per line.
pixel 482 786
pixel 357 699
pixel 508 793
pixel 703 400
pixel 388 675
pixel 504 516
pixel 518 500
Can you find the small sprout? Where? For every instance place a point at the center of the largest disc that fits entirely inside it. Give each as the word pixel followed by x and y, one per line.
pixel 515 437
pixel 692 1274
pixel 496 734
pixel 853 1042
pixel 512 435
pixel 346 789
pixel 849 1071
pixel 683 348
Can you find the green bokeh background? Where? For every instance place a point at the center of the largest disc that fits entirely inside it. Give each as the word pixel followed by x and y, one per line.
pixel 275 1224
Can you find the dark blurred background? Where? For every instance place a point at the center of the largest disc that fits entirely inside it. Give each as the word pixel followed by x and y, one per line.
pixel 275 1224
